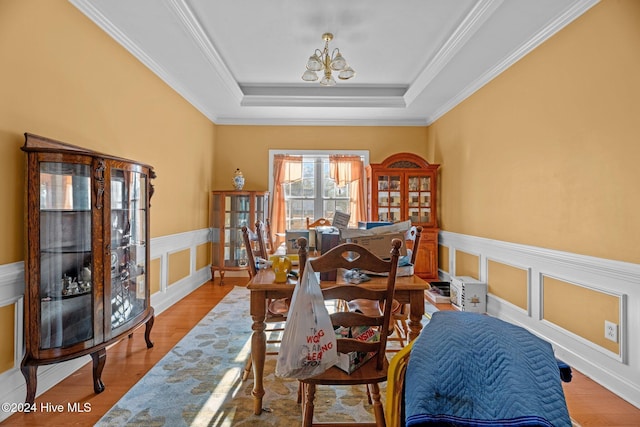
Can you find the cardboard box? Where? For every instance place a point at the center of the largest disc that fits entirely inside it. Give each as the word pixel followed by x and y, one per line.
pixel 349 362
pixel 468 294
pixel 326 241
pixel 368 225
pixel 291 239
pixel 380 244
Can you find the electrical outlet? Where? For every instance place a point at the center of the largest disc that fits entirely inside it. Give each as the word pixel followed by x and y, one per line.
pixel 610 331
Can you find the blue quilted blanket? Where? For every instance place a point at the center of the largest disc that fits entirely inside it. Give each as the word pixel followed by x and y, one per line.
pixel 469 369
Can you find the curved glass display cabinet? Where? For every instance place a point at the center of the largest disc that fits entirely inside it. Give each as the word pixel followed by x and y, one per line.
pixel 86 266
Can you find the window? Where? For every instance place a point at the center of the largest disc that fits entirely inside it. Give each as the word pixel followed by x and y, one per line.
pixel 313 184
pixel 313 194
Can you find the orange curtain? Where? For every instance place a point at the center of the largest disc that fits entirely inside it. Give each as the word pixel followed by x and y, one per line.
pixel 285 169
pixel 350 169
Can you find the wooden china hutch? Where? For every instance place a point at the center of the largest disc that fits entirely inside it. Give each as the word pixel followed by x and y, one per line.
pixel 404 187
pixel 87 255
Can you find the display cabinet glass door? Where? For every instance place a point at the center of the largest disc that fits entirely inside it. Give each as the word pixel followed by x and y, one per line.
pixel 65 255
pixel 261 202
pixel 236 215
pixel 389 198
pixel 128 246
pixel 419 198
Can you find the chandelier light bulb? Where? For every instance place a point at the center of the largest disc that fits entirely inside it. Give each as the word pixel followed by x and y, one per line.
pixel 346 74
pixel 309 76
pixel 328 80
pixel 338 63
pixel 314 63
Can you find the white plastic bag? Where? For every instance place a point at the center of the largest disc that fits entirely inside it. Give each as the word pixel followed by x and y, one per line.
pixel 308 346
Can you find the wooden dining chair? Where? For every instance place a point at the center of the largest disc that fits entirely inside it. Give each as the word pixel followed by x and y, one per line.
pixel 400 312
pixel 268 237
pixel 350 256
pixel 253 247
pixel 277 309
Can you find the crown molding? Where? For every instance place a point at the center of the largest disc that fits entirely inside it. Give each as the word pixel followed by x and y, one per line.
pixel 278 121
pixel 482 10
pixel 94 14
pixel 206 46
pixel 573 12
pixel 329 101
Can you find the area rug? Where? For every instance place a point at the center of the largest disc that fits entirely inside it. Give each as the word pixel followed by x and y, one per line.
pixel 199 382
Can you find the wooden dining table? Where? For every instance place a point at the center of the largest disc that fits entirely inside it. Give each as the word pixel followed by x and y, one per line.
pixel 409 290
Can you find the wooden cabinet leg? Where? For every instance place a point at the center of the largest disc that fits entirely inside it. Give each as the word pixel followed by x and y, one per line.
pixel 99 358
pixel 30 376
pixel 147 331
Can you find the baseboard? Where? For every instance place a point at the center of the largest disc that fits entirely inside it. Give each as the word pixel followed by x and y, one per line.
pixel 160 301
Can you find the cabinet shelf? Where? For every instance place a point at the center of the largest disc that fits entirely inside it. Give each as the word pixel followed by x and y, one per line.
pixel 77 202
pixel 65 251
pixel 63 211
pixel 60 297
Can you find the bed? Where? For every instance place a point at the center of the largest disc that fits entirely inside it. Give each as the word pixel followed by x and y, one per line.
pixel 469 369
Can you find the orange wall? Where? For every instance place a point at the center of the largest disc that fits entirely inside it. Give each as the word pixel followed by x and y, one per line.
pixel 547 153
pixel 64 78
pixel 247 147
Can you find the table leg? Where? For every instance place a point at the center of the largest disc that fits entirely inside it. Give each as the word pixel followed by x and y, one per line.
pixel 416 312
pixel 258 347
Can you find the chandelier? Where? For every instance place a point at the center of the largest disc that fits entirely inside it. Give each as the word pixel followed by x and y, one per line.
pixel 321 60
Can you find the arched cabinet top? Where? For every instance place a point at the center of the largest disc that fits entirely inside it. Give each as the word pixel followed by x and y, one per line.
pixel 406 161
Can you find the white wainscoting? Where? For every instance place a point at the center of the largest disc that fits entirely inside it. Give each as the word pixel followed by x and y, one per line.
pixel 619 373
pixel 12 293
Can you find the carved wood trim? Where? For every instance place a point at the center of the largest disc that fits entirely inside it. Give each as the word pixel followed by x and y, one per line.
pixel 404 164
pixel 99 182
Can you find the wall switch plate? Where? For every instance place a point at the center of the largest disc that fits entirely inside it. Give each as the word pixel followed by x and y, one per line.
pixel 610 331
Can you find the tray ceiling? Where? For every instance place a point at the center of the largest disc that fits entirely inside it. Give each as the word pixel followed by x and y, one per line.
pixel 241 62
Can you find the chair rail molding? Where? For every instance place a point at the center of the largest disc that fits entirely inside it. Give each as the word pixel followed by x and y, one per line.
pixel 619 373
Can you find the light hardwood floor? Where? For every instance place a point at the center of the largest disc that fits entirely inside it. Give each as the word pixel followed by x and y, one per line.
pixel 589 404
